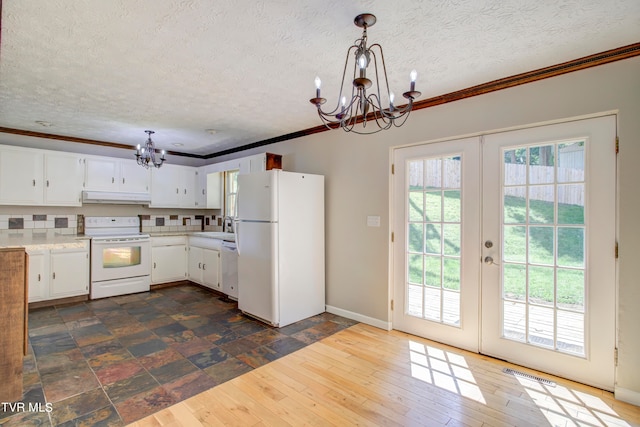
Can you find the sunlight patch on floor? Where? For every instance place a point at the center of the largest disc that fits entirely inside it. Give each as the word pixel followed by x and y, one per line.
pixel 564 406
pixel 443 369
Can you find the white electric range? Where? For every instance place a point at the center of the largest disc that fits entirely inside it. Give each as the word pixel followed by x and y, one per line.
pixel 120 256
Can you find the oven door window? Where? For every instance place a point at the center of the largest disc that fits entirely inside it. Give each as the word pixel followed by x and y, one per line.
pixel 119 257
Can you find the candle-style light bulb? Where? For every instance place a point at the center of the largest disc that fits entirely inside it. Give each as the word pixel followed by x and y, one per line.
pixel 138 148
pixel 318 83
pixel 413 76
pixel 162 152
pixel 362 62
pixel 391 98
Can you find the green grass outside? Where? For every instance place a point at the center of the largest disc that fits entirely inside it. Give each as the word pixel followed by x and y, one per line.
pixel 436 206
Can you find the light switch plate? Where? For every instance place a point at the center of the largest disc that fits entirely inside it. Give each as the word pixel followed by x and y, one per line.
pixel 373 221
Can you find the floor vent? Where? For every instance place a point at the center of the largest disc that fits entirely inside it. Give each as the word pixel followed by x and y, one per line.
pixel 528 377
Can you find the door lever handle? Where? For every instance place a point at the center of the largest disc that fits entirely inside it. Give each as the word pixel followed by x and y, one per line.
pixel 489 261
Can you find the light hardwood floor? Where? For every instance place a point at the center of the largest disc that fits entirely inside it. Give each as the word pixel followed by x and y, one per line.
pixel 368 376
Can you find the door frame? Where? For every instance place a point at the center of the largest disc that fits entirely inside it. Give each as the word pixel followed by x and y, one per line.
pixel 392 219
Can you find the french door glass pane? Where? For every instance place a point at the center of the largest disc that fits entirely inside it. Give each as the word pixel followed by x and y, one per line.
pixel 434 239
pixel 543 246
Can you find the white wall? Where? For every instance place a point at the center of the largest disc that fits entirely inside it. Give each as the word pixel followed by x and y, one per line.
pixel 357 177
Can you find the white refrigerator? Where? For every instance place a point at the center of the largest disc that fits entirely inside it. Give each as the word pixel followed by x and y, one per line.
pixel 280 242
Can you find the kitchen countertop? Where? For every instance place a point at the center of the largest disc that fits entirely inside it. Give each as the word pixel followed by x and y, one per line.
pixel 47 241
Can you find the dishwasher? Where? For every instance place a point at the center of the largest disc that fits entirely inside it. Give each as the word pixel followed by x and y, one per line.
pixel 229 266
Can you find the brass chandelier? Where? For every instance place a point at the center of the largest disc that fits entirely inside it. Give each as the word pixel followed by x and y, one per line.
pixel 365 104
pixel 146 156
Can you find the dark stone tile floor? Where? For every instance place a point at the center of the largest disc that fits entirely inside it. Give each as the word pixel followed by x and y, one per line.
pixel 113 361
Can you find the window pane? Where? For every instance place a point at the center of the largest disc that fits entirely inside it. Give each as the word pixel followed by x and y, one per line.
pixel 451 273
pixel 541 326
pixel 515 243
pixel 541 289
pixel 451 308
pixel 541 164
pixel 416 175
pixel 433 174
pixel 515 167
pixel 451 239
pixel 571 246
pixel 414 300
pixel 432 303
pixel 571 332
pixel 415 237
pixel 541 204
pixel 432 244
pixel 515 205
pixel 515 281
pixel 541 245
pixel 433 206
pixel 416 206
pixel 452 174
pixel 415 269
pixel 571 289
pixel 433 271
pixel 452 206
pixel 571 204
pixel 514 321
pixel 571 162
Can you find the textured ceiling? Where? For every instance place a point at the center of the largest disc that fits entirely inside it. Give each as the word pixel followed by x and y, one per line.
pixel 108 70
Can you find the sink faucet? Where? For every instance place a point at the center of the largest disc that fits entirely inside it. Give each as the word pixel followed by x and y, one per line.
pixel 227 224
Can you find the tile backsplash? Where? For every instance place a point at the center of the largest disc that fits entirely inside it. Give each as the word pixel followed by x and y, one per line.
pixel 164 223
pixel 38 223
pixel 74 223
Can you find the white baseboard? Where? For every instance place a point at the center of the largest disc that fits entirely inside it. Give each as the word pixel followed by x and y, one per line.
pixel 359 317
pixel 628 396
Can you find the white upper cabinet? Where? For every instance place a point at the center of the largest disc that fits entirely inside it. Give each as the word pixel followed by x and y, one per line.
pixel 63 179
pixel 39 177
pixel 21 176
pixel 173 186
pixel 120 175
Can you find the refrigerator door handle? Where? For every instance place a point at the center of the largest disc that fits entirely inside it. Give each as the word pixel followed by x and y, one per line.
pixel 236 232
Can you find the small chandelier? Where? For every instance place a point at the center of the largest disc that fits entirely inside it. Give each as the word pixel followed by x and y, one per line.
pixel 365 106
pixel 146 156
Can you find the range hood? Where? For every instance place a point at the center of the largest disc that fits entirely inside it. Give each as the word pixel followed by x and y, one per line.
pixel 115 197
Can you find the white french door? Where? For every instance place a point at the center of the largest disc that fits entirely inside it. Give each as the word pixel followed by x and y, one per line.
pixel 436 195
pixel 530 278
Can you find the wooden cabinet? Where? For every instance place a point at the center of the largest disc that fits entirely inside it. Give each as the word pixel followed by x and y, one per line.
pixel 173 186
pixel 260 162
pixel 118 175
pixel 58 273
pixel 12 322
pixel 33 177
pixel 204 262
pixel 168 259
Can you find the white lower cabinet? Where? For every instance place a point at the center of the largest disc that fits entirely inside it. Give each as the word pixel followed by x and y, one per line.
pixel 169 259
pixel 204 262
pixel 58 273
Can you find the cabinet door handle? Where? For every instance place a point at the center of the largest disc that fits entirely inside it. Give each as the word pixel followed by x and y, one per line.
pixel 185 191
pixel 38 277
pixel 177 190
pixel 113 180
pixel 54 274
pixel 34 182
pixel 154 265
pixel 123 180
pixel 199 265
pixel 203 266
pixel 47 183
